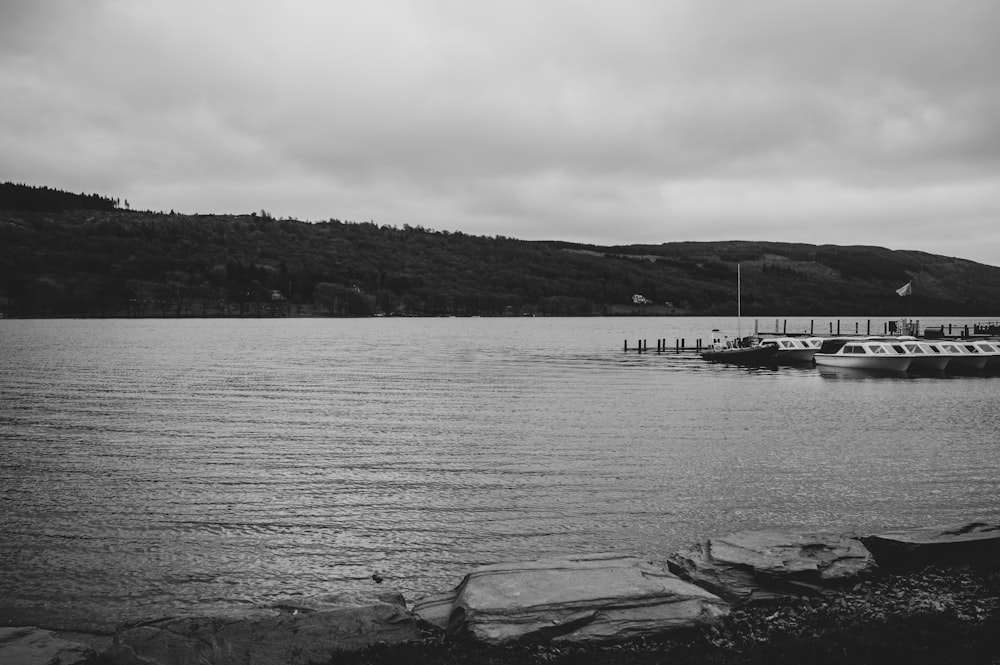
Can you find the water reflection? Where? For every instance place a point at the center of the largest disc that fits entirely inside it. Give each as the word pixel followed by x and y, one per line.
pixel 859 374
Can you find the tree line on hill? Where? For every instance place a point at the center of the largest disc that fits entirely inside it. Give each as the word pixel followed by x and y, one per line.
pixel 69 256
pixel 18 196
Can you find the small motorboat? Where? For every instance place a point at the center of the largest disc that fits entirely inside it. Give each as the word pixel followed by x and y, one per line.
pixel 864 354
pixel 750 350
pixel 743 351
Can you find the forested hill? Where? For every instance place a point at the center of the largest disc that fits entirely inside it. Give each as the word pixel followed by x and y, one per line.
pixel 114 262
pixel 17 196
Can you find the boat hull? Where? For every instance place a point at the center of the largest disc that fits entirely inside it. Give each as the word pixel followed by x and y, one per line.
pixel 872 363
pixel 796 356
pixel 930 363
pixel 990 349
pixel 759 355
pixel 967 363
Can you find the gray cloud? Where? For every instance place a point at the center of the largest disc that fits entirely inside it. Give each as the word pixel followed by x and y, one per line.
pixel 847 122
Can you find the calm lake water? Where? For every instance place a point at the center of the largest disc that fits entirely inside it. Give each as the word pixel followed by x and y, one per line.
pixel 170 466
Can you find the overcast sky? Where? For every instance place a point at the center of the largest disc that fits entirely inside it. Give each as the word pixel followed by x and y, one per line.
pixel 872 122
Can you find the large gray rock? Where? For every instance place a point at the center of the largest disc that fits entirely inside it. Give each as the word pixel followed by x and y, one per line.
pixel 33 646
pixel 581 599
pixel 436 609
pixel 976 543
pixel 275 638
pixel 755 566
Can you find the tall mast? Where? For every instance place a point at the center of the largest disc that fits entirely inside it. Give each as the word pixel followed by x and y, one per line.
pixel 739 313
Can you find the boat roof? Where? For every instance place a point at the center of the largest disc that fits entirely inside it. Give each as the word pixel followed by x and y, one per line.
pixel 835 345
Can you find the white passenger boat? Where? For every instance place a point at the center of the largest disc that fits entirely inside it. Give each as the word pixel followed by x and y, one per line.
pixel 927 356
pixel 795 349
pixel 965 357
pixel 992 350
pixel 864 354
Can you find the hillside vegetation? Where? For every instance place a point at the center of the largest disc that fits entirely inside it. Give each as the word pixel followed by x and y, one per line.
pixel 69 259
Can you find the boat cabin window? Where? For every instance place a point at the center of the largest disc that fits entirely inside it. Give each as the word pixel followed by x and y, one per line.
pixel 898 348
pixel 914 348
pixel 971 348
pixel 854 348
pixel 832 345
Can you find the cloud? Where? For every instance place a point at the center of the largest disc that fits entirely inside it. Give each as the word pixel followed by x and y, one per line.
pixel 598 121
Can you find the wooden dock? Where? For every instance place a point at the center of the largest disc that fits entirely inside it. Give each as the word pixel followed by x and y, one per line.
pixel 680 345
pixel 956 331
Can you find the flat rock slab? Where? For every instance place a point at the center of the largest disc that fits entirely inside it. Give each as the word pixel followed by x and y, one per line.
pixel 974 543
pixel 436 609
pixel 295 638
pixel 581 599
pixel 759 566
pixel 34 646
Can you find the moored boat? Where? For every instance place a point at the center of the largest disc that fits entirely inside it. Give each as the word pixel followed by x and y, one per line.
pixel 751 350
pixel 992 350
pixel 864 354
pixel 744 351
pixel 795 349
pixel 965 357
pixel 927 356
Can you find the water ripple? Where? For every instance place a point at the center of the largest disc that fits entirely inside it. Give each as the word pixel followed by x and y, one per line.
pixel 176 466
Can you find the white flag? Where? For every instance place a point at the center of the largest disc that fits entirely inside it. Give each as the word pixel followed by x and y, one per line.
pixel 904 290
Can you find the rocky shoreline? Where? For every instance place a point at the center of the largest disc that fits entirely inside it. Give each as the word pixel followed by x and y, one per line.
pixel 920 596
pixel 933 615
